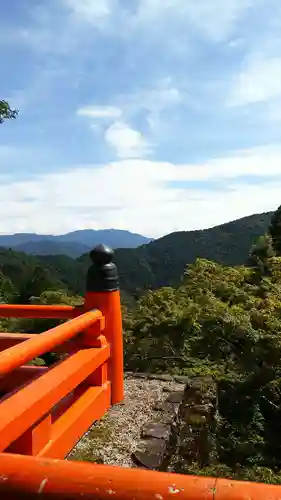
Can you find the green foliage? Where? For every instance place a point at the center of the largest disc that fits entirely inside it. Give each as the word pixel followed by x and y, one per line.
pixel 29 276
pixel 275 231
pixel 70 272
pixel 6 113
pixel 162 262
pixel 222 321
pixel 260 257
pixel 7 291
pixel 238 473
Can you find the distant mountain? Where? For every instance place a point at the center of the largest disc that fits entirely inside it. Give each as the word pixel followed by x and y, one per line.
pixel 115 238
pixel 72 244
pixel 50 247
pixel 162 262
pixel 159 263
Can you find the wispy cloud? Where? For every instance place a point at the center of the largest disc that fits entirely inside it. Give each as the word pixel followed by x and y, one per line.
pixel 89 11
pixel 214 20
pixel 259 81
pixel 99 112
pixel 138 195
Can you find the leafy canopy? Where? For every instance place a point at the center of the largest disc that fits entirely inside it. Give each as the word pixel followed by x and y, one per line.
pixel 6 113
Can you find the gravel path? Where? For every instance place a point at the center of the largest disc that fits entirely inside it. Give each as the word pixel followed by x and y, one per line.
pixel 113 439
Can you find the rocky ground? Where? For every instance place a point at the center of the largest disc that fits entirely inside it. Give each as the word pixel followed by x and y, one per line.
pixel 115 438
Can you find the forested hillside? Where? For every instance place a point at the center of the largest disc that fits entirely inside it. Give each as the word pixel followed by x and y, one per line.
pixel 159 263
pixel 221 320
pixel 225 322
pixel 162 262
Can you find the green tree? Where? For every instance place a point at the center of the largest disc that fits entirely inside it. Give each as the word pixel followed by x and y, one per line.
pixel 6 113
pixel 260 258
pixel 7 290
pixel 38 280
pixel 275 231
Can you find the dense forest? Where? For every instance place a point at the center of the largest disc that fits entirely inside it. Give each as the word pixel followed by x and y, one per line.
pixel 159 263
pixel 219 320
pixel 162 262
pixel 223 321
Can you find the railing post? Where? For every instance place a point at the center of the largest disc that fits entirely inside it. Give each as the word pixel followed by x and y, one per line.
pixel 102 292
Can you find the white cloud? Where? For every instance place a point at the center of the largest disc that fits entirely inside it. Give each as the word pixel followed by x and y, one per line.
pixel 216 19
pixel 213 19
pixel 154 99
pixel 99 112
pixel 125 140
pixel 128 143
pixel 259 81
pixel 133 194
pixel 90 11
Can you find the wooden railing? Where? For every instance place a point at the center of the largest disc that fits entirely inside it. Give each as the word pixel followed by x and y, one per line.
pixel 44 411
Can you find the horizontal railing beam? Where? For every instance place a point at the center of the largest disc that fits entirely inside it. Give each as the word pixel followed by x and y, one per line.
pixel 33 478
pixel 20 377
pixel 39 311
pixel 8 340
pixel 20 354
pixel 24 408
pixel 90 405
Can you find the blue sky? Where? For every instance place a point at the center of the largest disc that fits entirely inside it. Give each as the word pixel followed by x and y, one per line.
pixel 148 115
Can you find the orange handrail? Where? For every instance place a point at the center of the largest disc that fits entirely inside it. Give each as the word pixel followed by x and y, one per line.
pixel 8 340
pixel 25 477
pixel 17 355
pixel 39 311
pixel 45 410
pixel 28 405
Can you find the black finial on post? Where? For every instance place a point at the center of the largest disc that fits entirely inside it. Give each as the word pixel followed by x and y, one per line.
pixel 102 275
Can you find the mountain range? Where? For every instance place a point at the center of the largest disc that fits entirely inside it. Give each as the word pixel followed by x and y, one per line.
pixel 162 262
pixel 71 244
pixel 158 263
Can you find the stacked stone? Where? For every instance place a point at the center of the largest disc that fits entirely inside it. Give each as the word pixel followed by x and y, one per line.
pixel 185 430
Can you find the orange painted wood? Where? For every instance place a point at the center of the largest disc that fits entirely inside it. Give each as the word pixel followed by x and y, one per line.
pixel 242 490
pixel 31 478
pixel 91 405
pixel 24 408
pixel 100 375
pixel 39 311
pixel 8 340
pixel 34 439
pixel 20 376
pixel 64 404
pixel 109 304
pixel 20 354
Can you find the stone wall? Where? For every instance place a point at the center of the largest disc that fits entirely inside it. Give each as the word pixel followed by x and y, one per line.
pixel 185 429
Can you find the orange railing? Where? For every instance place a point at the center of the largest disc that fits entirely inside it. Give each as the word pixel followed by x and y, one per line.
pixel 45 410
pixel 24 477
